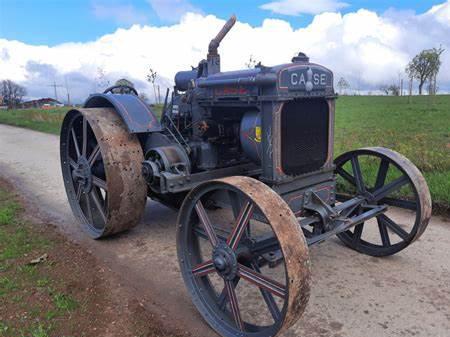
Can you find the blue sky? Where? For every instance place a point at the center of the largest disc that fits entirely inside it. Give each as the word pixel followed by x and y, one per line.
pixel 52 22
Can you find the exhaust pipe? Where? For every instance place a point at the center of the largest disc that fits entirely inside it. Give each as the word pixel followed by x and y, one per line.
pixel 213 57
pixel 214 44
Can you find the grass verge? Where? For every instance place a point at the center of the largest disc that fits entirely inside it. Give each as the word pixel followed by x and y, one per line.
pixel 48 121
pixel 36 119
pixel 49 298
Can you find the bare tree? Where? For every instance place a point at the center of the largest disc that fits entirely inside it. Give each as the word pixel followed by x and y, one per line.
pixel 384 89
pixel 252 63
pixel 12 93
pixel 151 77
pixel 342 85
pixel 400 83
pixel 101 82
pixel 358 85
pixel 392 89
pixel 410 86
pixel 425 66
pixel 432 84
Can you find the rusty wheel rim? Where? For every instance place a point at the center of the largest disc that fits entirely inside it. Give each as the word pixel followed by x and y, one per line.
pixel 230 283
pixel 100 165
pixel 395 182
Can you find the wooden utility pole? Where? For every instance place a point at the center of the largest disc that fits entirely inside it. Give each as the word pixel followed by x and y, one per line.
pixel 68 94
pixel 410 89
pixel 54 85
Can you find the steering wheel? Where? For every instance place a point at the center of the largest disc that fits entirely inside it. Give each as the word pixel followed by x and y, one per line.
pixel 124 89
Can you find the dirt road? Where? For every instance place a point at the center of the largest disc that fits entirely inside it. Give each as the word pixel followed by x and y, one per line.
pixel 352 295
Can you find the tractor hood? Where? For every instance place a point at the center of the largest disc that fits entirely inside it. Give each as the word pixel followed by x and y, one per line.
pixel 297 79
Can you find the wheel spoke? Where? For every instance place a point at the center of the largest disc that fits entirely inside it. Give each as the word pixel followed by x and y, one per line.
pixel 84 148
pixel 98 204
pixel 241 223
pixel 75 143
pixel 406 204
pixel 391 187
pixel 234 305
pixel 79 192
pixel 358 175
pixel 357 233
pixel 223 298
pixel 89 209
pixel 72 163
pixel 262 281
pixel 235 206
pixel 384 233
pixel 347 176
pixel 204 219
pixel 204 268
pixel 268 298
pixel 94 155
pixel 99 183
pixel 382 173
pixel 393 226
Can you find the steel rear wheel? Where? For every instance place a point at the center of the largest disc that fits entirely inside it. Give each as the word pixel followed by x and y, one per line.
pixel 100 163
pixel 383 177
pixel 246 265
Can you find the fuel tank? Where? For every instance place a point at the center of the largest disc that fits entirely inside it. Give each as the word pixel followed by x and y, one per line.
pixel 250 135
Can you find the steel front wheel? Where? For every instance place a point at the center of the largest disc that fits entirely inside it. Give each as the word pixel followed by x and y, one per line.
pixel 100 163
pixel 383 177
pixel 246 264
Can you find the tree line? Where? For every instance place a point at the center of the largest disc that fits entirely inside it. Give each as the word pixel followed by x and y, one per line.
pixel 423 68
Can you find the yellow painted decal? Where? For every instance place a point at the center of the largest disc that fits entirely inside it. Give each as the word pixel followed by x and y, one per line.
pixel 258 134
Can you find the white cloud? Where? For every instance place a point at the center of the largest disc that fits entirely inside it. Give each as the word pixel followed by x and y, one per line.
pixel 441 13
pixel 120 13
pixel 172 10
pixel 297 7
pixel 364 47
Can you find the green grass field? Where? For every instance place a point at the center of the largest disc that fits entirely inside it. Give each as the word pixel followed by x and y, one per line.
pixel 420 130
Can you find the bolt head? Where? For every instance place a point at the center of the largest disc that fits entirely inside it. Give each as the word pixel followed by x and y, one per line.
pixel 220 263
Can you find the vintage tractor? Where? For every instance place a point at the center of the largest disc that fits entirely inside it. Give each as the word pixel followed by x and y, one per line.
pixel 247 158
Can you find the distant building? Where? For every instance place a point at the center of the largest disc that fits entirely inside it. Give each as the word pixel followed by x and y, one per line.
pixel 2 107
pixel 41 103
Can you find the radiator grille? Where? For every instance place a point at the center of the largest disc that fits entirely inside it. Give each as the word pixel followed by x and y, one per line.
pixel 304 136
